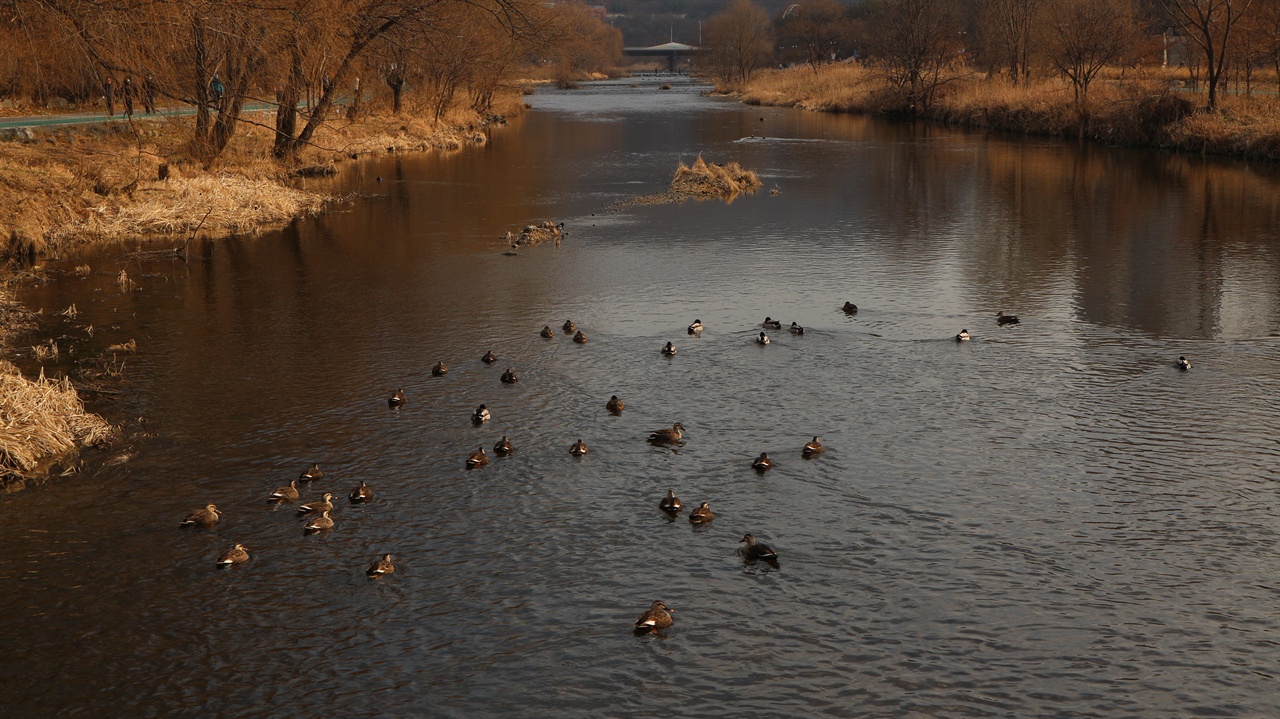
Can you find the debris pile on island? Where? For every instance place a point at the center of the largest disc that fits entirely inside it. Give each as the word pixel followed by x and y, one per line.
pixel 703 181
pixel 42 419
pixel 534 235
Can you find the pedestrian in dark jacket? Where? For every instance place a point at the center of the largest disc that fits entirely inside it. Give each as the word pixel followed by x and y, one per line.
pixel 127 91
pixel 149 94
pixel 109 92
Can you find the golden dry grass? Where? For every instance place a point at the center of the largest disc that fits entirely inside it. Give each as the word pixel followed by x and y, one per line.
pixel 1142 106
pixel 704 181
pixel 100 183
pixel 41 419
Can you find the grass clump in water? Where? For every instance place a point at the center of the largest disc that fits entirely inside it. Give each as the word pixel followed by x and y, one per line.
pixel 704 181
pixel 42 419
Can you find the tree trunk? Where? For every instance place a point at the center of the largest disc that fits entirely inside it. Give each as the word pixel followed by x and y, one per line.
pixel 287 99
pixel 202 84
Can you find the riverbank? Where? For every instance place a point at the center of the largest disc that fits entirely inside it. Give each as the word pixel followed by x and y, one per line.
pixel 64 187
pixel 1140 108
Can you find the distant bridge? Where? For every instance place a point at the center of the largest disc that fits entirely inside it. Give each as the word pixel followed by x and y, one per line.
pixel 671 50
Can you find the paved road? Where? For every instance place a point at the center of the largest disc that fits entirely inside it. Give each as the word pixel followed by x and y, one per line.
pixel 91 118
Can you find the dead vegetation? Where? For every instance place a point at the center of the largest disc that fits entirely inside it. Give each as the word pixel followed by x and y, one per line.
pixel 703 181
pixel 534 235
pixel 42 419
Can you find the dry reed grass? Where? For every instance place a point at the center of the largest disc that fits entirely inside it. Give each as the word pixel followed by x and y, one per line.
pixel 1127 106
pixel 42 419
pixel 702 181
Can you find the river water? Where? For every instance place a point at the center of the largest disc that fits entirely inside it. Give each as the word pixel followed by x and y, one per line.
pixel 1047 521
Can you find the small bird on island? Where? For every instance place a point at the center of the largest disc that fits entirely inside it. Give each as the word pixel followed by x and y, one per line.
pixel 756 551
pixel 318 524
pixel 771 323
pixel 615 405
pixel 509 377
pixel 1003 319
pixel 503 446
pixel 579 448
pixel 580 338
pixel 796 329
pixel 812 448
pixel 324 505
pixel 204 517
pixel 670 503
pixel 380 567
pixel 477 458
pixel 655 620
pixel 963 336
pixel 669 350
pixel 702 514
pixel 439 370
pixel 236 554
pixel 695 327
pixel 569 326
pixel 548 332
pixel 489 357
pixel 361 493
pixel 763 339
pixel 850 308
pixel 668 435
pixel 1183 363
pixel 396 399
pixel 288 492
pixel 311 473
pixel 762 463
pixel 481 415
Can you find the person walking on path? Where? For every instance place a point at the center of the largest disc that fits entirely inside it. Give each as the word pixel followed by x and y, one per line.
pixel 216 89
pixel 149 94
pixel 126 93
pixel 109 92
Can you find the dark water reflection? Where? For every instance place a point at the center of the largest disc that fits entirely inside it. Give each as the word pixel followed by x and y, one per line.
pixel 1047 521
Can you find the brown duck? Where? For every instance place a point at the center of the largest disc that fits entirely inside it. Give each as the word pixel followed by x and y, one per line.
pixel 380 567
pixel 205 517
pixel 655 620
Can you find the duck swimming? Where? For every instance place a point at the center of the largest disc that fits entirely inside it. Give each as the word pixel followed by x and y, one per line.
pixel 1003 319
pixel 569 326
pixel 318 524
pixel 812 448
pixel 396 399
pixel 1183 363
pixel 509 377
pixel 548 332
pixel 310 473
pixel 667 435
pixel 771 323
pixel 477 458
pixel 480 415
pixel 763 339
pixel 963 336
pixel 796 329
pixel 695 327
pixel 578 448
pixel 762 463
pixel 850 308
pixel 656 619
pixel 615 405
pixel 755 551
pixel 380 567
pixel 288 492
pixel 324 505
pixel 439 370
pixel 669 350
pixel 361 493
pixel 489 357
pixel 204 517
pixel 235 555
pixel 503 446
pixel 670 503
pixel 580 338
pixel 702 514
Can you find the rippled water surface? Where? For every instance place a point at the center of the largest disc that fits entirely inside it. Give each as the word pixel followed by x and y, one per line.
pixel 1047 521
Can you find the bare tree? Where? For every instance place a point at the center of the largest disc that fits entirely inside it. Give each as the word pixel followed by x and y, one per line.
pixel 739 39
pixel 1085 36
pixel 917 42
pixel 1209 24
pixel 820 28
pixel 1009 28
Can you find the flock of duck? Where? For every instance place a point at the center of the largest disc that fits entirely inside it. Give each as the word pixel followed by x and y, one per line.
pixel 658 617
